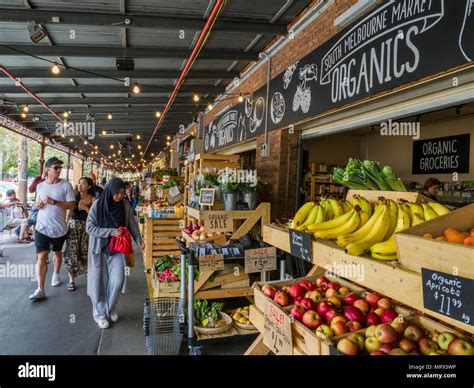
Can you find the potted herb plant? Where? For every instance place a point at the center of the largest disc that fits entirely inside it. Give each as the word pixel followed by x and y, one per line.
pixel 211 180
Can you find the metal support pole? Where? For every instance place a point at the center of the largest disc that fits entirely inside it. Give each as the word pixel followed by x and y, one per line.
pixel 183 275
pixel 281 256
pixel 191 295
pixel 41 159
pixel 68 164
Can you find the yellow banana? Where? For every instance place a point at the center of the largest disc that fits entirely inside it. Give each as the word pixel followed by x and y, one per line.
pixel 408 210
pixel 393 205
pixel 311 219
pixel 439 208
pixel 417 220
pixel 348 227
pixel 384 257
pixel 343 241
pixel 328 212
pixel 319 215
pixel 376 234
pixel 415 208
pixel 346 206
pixel 365 205
pixel 302 214
pixel 393 215
pixel 364 217
pixel 331 224
pixel 430 214
pixel 336 207
pixel 403 220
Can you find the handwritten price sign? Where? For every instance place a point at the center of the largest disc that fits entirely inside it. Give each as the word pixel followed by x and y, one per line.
pixel 208 263
pixel 300 244
pixel 277 331
pixel 448 295
pixel 260 260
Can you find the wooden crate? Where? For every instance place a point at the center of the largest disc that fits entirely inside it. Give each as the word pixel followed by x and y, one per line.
pixel 373 195
pixel 160 238
pixel 218 239
pixel 415 252
pixel 388 279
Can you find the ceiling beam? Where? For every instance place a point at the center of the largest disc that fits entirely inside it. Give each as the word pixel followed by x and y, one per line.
pixel 101 89
pixel 132 52
pixel 115 20
pixel 115 109
pixel 135 74
pixel 101 100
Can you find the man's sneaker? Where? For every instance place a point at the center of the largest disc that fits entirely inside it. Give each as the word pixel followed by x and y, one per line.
pixel 38 294
pixel 114 316
pixel 55 282
pixel 103 323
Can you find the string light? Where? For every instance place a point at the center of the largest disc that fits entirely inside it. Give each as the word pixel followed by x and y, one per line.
pixel 241 98
pixel 168 137
pixel 136 89
pixel 111 146
pixel 167 143
pixel 23 115
pixel 104 132
pixel 210 106
pixel 55 69
pixel 139 147
pixel 96 147
pixel 109 116
pixel 26 109
pixel 158 114
pixel 71 139
pixel 196 97
pixel 138 137
pixel 85 142
pixel 66 115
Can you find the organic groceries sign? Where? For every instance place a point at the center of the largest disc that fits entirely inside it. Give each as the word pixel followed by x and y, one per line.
pixel 399 42
pixel 277 331
pixel 206 197
pixel 216 221
pixel 449 295
pixel 442 155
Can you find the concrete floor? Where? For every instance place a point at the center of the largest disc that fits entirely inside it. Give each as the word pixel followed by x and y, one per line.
pixel 62 324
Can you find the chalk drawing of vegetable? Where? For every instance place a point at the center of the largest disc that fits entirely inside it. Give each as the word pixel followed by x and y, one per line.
pixel 248 105
pixel 242 128
pixel 302 98
pixel 289 74
pixel 467 32
pixel 277 107
pixel 258 112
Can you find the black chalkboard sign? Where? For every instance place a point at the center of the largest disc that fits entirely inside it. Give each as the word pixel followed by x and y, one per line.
pixel 441 155
pixel 300 244
pixel 242 206
pixel 206 197
pixel 449 295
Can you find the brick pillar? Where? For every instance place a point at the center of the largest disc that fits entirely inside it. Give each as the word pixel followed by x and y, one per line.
pixel 278 171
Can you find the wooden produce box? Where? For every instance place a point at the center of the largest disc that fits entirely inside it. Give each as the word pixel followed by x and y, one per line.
pixel 160 238
pixel 373 195
pixel 415 252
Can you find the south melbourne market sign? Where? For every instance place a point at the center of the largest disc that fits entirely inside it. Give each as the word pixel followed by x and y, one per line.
pixel 397 43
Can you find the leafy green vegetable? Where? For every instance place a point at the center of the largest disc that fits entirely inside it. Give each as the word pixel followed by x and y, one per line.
pixel 205 314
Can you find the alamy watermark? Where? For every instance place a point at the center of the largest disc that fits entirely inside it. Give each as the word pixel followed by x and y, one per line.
pixel 348 271
pixel 238 176
pixel 400 128
pixel 9 270
pixel 78 128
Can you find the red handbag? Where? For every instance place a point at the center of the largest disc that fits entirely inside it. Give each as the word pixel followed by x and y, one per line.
pixel 123 243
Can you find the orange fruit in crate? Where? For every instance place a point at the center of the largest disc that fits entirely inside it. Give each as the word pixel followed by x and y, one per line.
pixel 427 235
pixel 466 234
pixel 456 237
pixel 441 238
pixel 448 231
pixel 469 241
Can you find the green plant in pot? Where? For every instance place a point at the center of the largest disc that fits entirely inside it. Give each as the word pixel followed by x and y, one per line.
pixel 231 194
pixel 250 192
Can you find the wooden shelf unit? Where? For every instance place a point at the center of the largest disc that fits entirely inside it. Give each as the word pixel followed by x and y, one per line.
pixel 160 236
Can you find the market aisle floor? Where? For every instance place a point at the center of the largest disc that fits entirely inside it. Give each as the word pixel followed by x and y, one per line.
pixel 63 324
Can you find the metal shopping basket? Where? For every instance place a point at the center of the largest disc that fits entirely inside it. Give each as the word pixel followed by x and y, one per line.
pixel 163 325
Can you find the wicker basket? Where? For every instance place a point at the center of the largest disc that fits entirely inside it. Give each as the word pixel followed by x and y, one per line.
pixel 216 330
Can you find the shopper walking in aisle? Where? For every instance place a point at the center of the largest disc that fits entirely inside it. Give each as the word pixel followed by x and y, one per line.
pixel 53 197
pixel 106 269
pixel 77 241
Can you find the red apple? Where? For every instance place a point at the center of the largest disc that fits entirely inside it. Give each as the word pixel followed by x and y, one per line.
pixel 353 325
pixel 311 319
pixel 339 328
pixel 347 347
pixel 296 290
pixel 314 295
pixel 269 290
pixel 330 314
pixel 297 312
pixel 460 347
pixel 297 300
pixel 370 331
pixel 427 346
pixel 358 339
pixel 414 333
pixel 388 316
pixel 386 348
pixel 307 304
pixel 334 285
pixel 323 306
pixel 384 304
pixel 344 291
pixel 372 298
pixel 397 352
pixel 307 285
pixel 372 344
pixel 338 319
pixel 407 345
pixel 444 339
pixel 330 292
pixel 320 280
pixel 354 314
pixel 336 302
pixel 385 333
pixel 399 326
pixel 362 305
pixel 378 353
pixel 282 298
pixel 324 331
pixel 372 319
pixel 286 289
pixel 350 298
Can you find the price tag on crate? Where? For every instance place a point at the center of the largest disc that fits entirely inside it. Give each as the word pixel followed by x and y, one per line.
pixel 208 263
pixel 449 295
pixel 218 221
pixel 277 331
pixel 260 260
pixel 300 244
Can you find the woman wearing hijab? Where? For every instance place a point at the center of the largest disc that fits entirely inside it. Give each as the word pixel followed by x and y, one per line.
pixel 77 241
pixel 106 270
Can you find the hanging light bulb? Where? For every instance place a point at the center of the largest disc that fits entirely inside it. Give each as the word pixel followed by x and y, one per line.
pixel 104 132
pixel 55 69
pixel 119 152
pixel 114 155
pixel 65 114
pixel 26 109
pixel 136 89
pixel 168 137
pixel 96 147
pixel 196 97
pixel 210 106
pixel 158 114
pixel 71 139
pixel 138 137
pixel 85 142
pixel 111 146
pixel 109 116
pixel 241 98
pixel 63 135
pixel 139 147
pixel 23 115
pixel 141 153
pixel 167 143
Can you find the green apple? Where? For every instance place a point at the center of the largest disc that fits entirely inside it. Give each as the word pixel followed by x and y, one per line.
pixel 370 331
pixel 358 339
pixel 444 339
pixel 372 344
